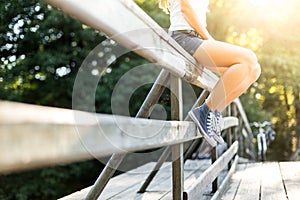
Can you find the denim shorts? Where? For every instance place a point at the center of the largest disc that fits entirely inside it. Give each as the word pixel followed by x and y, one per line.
pixel 188 39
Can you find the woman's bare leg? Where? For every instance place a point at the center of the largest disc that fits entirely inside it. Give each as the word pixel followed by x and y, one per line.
pixel 238 66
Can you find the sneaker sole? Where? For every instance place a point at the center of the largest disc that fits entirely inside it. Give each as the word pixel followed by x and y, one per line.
pixel 219 139
pixel 209 139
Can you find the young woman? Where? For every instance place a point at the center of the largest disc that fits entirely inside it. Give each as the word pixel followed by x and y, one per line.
pixel 238 66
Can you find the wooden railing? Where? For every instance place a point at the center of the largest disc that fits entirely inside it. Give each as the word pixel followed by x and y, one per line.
pixel 35 136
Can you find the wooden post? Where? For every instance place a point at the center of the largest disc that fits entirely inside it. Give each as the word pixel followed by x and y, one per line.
pixel 229 134
pixel 235 114
pixel 177 171
pixel 214 157
pixel 240 137
pixel 177 150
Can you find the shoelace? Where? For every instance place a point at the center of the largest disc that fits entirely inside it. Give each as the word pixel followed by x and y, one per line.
pixel 214 123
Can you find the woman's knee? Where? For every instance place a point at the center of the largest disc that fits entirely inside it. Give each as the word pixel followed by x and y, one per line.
pixel 256 71
pixel 252 64
pixel 249 57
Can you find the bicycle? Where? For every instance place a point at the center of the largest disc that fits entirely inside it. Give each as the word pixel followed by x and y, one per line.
pixel 264 138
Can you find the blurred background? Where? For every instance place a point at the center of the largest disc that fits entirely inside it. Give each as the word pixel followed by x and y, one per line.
pixel 41 50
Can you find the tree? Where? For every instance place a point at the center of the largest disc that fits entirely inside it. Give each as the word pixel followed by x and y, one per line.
pixel 41 49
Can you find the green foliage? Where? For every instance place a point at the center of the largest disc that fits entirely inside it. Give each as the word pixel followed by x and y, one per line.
pixel 152 9
pixel 49 183
pixel 41 50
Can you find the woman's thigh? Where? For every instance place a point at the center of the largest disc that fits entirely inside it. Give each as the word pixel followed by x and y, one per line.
pixel 219 56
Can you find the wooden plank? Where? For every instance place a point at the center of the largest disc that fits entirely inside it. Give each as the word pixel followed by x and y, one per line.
pixel 131 192
pixel 165 185
pixel 196 191
pixel 271 183
pixel 192 171
pixel 145 196
pixel 207 194
pixel 191 168
pixel 225 180
pixel 125 186
pixel 249 188
pixel 161 184
pixel 196 165
pixel 120 184
pixel 79 195
pixel 231 189
pixel 139 33
pixel 230 122
pixel 61 135
pixel 291 176
pixel 198 169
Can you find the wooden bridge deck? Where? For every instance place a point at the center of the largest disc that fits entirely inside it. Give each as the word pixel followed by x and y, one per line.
pixel 253 181
pixel 270 180
pixel 125 186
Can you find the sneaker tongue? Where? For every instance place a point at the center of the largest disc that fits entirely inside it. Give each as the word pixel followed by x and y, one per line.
pixel 220 121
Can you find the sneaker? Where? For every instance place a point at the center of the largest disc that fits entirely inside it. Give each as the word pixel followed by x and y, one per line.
pixel 217 122
pixel 201 116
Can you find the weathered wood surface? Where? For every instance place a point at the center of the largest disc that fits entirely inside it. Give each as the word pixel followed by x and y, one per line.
pixel 230 122
pixel 231 189
pixel 272 187
pixel 263 181
pixel 223 185
pixel 199 187
pixel 125 186
pixel 177 150
pixel 249 181
pixel 36 135
pixel 32 136
pixel 130 26
pixel 290 172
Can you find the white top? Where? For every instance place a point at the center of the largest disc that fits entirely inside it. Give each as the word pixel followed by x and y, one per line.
pixel 178 21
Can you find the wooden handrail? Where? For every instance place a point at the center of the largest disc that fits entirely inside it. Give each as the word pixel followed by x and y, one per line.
pixel 33 136
pixel 140 34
